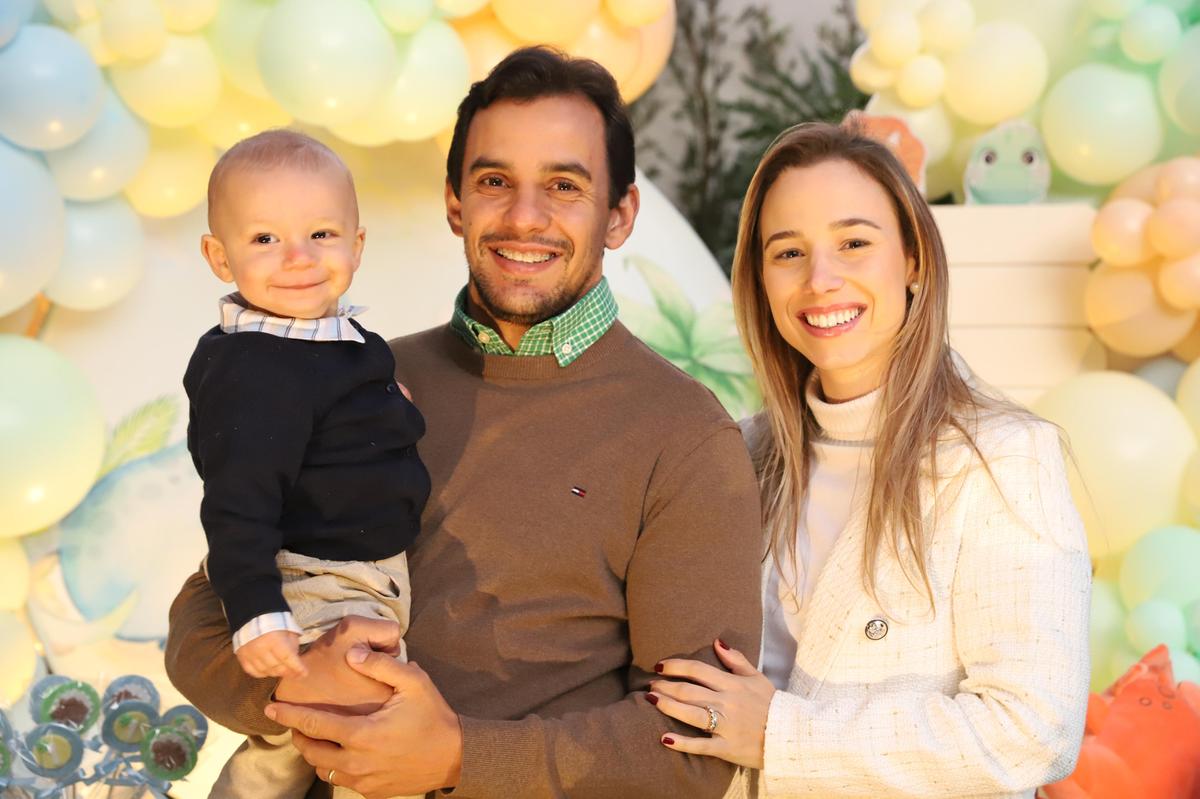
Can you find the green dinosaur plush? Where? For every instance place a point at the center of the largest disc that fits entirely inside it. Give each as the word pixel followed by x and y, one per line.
pixel 1008 165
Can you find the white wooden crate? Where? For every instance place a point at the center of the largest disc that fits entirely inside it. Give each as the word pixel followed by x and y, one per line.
pixel 1017 276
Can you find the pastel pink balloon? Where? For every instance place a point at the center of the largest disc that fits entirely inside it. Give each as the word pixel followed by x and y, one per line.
pixel 1119 232
pixel 1179 282
pixel 1180 177
pixel 1174 228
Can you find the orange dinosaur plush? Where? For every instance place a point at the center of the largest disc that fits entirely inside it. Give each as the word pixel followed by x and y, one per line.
pixel 894 133
pixel 1142 738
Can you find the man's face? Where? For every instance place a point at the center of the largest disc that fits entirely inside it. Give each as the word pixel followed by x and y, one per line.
pixel 534 212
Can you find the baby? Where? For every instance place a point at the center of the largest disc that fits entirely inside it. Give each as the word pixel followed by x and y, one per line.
pixel 313 488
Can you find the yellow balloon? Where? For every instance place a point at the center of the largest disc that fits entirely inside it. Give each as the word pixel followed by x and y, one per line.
pixel 868 74
pixel 1119 232
pixel 453 9
pixel 234 35
pixel 1130 444
pixel 14 567
pixel 88 34
pixel 545 21
pixel 177 88
pixel 617 47
pixel 133 29
pixel 18 658
pixel 657 39
pixel 920 82
pixel 1179 282
pixel 895 38
pixel 239 115
pixel 867 12
pixel 487 42
pixel 636 13
pixel 444 138
pixel 434 76
pixel 174 178
pixel 946 25
pixel 1174 228
pixel 1124 308
pixel 70 13
pixel 999 75
pixel 188 16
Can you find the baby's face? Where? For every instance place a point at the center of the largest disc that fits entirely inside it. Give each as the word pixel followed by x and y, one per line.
pixel 288 237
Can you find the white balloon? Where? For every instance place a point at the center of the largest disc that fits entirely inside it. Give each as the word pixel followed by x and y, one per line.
pixel 104 257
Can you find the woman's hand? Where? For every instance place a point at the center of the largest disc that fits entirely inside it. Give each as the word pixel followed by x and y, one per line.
pixel 740 699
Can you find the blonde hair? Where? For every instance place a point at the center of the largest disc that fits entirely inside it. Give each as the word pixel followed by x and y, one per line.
pixel 923 395
pixel 272 149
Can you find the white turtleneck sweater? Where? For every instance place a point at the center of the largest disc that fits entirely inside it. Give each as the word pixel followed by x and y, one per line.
pixel 839 477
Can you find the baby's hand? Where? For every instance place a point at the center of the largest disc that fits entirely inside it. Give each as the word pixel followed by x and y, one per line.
pixel 275 654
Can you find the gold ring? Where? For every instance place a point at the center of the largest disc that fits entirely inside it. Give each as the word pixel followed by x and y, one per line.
pixel 329 779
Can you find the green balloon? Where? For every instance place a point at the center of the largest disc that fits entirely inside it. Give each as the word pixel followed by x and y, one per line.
pixel 1101 123
pixel 1179 81
pixel 1106 632
pixel 1163 564
pixel 1185 667
pixel 1191 618
pixel 51 433
pixel 1156 622
pixel 1149 34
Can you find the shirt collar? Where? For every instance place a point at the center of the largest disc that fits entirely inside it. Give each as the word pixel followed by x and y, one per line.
pixel 565 336
pixel 238 317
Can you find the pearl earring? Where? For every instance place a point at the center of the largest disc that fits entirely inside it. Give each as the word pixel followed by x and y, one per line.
pixel 914 287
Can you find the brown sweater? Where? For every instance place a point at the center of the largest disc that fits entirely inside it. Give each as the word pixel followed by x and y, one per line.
pixel 585 522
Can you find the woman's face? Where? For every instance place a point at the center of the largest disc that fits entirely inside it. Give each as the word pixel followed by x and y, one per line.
pixel 835 272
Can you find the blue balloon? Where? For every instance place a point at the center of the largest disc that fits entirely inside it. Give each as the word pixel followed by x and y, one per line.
pixel 32 226
pixel 104 257
pixel 106 158
pixel 50 89
pixel 1163 372
pixel 13 14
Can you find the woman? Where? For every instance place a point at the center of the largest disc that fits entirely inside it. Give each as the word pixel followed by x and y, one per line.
pixel 926 582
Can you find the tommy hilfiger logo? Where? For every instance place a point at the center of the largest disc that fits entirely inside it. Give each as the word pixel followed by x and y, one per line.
pixel 579 492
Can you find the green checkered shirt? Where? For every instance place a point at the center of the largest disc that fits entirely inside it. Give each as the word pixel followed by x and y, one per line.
pixel 565 336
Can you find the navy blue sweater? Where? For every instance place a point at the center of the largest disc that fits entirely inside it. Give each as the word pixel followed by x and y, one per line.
pixel 302 445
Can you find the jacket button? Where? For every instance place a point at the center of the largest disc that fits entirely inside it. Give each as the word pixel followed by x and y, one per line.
pixel 393 388
pixel 876 629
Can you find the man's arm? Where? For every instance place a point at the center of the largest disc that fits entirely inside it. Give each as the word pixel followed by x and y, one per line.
pixel 694 576
pixel 201 664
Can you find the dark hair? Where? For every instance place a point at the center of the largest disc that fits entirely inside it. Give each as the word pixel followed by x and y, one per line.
pixel 534 72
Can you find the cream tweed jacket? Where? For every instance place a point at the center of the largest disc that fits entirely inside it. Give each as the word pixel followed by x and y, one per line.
pixel 982 696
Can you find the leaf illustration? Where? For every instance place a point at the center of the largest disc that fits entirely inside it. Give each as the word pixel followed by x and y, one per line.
pixel 671 301
pixel 141 433
pixel 648 324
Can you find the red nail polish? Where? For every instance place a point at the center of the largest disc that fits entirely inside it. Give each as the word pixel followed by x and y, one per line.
pixel 658 667
pixel 652 699
pixel 723 644
pixel 668 740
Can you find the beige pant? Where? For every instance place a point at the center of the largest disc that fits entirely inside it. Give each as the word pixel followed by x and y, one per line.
pixel 320 593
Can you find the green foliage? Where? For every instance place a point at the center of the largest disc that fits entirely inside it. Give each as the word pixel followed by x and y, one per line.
pixel 704 344
pixel 141 433
pixel 780 86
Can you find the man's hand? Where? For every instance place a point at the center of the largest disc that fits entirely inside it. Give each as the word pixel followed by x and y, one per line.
pixel 412 744
pixel 330 683
pixel 273 654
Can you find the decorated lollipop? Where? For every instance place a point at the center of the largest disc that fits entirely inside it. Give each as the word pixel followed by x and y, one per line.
pixel 127 724
pixel 54 751
pixel 131 686
pixel 169 753
pixel 188 719
pixel 70 702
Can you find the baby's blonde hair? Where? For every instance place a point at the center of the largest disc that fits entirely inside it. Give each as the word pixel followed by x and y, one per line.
pixel 272 149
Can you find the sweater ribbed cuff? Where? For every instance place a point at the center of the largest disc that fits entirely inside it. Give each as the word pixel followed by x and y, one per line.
pixel 498 758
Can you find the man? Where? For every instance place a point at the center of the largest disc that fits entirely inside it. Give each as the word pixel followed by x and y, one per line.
pixel 593 509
